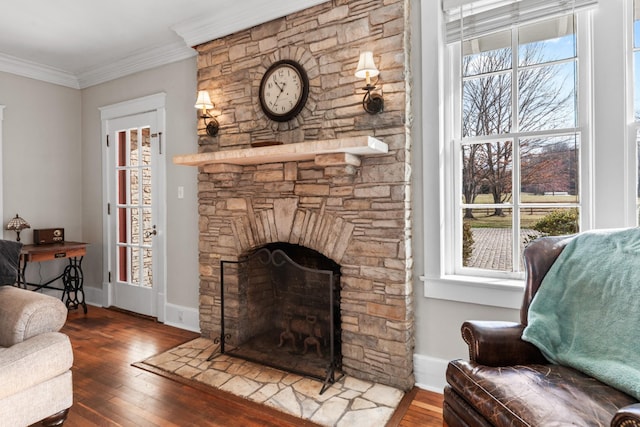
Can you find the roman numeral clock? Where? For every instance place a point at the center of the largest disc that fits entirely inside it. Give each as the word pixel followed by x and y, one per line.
pixel 283 90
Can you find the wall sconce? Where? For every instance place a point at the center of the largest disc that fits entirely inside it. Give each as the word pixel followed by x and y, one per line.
pixel 203 102
pixel 17 224
pixel 372 102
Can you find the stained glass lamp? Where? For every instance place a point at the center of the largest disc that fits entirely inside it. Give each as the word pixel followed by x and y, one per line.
pixel 17 224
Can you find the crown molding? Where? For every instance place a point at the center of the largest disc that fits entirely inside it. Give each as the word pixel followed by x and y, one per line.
pixel 233 16
pixel 141 60
pixel 12 65
pixel 225 19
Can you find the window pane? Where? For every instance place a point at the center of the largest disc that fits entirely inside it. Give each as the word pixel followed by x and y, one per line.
pixel 539 222
pixel 547 97
pixel 486 105
pixel 487 240
pixel 636 24
pixel 636 79
pixel 549 169
pixel 636 58
pixel 638 173
pixel 547 41
pixel 487 172
pixel 487 54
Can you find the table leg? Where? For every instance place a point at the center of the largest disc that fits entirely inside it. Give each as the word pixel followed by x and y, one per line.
pixel 74 284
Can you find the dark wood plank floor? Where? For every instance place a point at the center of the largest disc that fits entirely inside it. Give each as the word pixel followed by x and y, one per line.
pixel 108 391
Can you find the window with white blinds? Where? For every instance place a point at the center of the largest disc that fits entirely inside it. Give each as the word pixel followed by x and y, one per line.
pixel 517 130
pixel 474 18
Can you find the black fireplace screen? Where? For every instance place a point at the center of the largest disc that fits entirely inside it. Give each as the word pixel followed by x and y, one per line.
pixel 280 307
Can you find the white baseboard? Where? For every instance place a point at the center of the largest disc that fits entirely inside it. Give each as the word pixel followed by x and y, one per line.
pixel 175 315
pixel 182 317
pixel 93 295
pixel 430 372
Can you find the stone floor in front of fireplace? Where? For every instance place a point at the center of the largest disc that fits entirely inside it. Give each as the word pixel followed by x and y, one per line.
pixel 347 402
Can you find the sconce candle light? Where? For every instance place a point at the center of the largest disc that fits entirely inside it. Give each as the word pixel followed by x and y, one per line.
pixel 203 102
pixel 17 224
pixel 372 102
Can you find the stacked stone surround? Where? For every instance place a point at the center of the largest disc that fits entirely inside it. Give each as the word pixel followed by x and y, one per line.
pixel 357 215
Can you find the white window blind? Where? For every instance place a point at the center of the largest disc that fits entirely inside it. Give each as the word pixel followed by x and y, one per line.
pixel 473 18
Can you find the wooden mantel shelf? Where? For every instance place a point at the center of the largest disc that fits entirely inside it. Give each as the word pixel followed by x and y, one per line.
pixel 350 148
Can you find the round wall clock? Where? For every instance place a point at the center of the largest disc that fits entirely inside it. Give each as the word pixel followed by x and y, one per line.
pixel 283 90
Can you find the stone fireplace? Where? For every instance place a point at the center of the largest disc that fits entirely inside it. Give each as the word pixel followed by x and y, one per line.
pixel 339 184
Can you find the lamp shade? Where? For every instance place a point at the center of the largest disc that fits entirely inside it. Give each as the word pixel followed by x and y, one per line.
pixel 17 224
pixel 366 66
pixel 204 100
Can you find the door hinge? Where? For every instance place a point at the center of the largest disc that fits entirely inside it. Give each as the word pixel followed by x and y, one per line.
pixel 107 140
pixel 108 208
pixel 109 277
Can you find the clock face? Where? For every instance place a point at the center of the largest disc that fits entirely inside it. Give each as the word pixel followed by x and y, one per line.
pixel 284 90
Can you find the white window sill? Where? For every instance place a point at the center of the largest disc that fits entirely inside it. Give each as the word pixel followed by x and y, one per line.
pixel 506 293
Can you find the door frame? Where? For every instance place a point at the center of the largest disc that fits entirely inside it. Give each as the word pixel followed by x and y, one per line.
pixel 156 104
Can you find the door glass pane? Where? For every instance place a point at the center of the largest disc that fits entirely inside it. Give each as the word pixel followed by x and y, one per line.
pixel 135 265
pixel 147 226
pixel 134 187
pixel 146 146
pixel 134 150
pixel 147 268
pixel 146 186
pixel 135 226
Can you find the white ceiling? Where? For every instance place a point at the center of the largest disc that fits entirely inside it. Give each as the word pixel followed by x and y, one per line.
pixel 80 43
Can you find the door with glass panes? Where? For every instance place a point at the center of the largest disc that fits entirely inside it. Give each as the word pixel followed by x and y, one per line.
pixel 133 197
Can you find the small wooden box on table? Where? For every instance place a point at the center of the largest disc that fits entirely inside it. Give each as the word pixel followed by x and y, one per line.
pixel 72 278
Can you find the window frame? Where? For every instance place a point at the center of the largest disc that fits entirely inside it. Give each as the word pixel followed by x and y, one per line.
pixel 496 288
pixel 634 128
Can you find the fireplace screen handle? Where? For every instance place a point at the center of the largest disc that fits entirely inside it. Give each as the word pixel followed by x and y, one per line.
pixel 153 232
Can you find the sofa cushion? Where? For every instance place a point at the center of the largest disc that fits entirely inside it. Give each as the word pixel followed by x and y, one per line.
pixel 25 314
pixel 535 395
pixel 34 361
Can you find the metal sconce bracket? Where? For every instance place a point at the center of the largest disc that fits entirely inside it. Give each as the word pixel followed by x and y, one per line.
pixel 372 103
pixel 211 123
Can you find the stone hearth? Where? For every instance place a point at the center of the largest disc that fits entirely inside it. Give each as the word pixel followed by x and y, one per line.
pixel 353 208
pixel 347 403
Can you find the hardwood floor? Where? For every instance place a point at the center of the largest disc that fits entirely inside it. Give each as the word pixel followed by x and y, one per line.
pixel 108 391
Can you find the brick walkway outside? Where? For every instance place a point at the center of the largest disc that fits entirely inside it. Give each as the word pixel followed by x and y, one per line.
pixel 492 248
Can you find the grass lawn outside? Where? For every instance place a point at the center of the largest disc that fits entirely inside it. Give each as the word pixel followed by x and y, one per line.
pixel 485 218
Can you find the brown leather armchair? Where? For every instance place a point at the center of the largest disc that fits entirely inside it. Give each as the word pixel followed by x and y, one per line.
pixel 508 382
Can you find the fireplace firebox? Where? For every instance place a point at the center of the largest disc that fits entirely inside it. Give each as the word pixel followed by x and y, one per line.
pixel 280 307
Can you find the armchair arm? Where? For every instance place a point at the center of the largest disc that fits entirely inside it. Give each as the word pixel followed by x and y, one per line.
pixel 629 416
pixel 494 343
pixel 34 361
pixel 25 314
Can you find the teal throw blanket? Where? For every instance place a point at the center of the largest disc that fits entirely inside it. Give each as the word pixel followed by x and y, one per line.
pixel 586 314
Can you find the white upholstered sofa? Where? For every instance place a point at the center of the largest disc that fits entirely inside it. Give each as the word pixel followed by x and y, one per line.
pixel 35 358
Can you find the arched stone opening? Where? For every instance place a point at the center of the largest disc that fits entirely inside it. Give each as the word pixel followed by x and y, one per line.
pixel 281 307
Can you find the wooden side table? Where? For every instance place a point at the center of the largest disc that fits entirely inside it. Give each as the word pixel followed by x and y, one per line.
pixel 72 277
